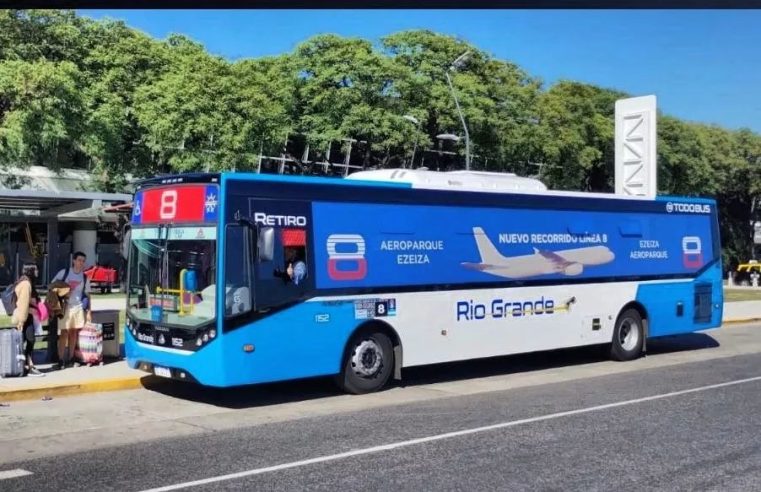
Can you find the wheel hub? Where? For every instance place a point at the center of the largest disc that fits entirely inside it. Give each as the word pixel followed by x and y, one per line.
pixel 367 358
pixel 628 336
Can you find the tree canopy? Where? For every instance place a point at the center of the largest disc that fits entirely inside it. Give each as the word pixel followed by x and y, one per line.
pixel 75 92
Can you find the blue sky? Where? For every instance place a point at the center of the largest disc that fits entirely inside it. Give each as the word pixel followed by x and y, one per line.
pixel 702 65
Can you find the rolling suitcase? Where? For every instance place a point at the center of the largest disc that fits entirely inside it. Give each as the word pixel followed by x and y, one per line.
pixel 11 353
pixel 90 344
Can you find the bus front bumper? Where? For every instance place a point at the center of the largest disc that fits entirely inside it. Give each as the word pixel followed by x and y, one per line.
pixel 179 365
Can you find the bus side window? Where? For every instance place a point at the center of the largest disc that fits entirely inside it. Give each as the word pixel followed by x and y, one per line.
pixel 238 266
pixel 286 277
pixel 295 267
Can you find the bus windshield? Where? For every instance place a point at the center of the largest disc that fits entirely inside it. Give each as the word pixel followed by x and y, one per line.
pixel 172 275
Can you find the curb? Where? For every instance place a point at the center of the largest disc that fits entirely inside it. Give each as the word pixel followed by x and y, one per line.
pixel 741 321
pixel 78 388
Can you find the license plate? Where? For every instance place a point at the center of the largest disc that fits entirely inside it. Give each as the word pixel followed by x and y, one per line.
pixel 163 372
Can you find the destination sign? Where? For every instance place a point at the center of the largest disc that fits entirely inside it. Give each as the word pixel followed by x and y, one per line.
pixel 176 204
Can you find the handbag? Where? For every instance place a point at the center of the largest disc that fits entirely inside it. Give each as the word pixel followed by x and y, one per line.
pixel 43 311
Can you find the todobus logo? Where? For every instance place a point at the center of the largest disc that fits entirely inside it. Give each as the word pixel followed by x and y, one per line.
pixel 346 257
pixel 690 208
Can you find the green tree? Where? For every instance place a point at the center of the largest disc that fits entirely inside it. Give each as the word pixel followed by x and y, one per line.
pixel 497 98
pixel 739 197
pixel 100 95
pixel 263 98
pixel 31 35
pixel 577 136
pixel 118 61
pixel 41 113
pixel 347 89
pixel 183 112
pixel 510 134
pixel 684 164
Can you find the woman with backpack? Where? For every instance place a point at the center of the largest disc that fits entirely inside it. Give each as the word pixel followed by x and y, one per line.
pixel 27 307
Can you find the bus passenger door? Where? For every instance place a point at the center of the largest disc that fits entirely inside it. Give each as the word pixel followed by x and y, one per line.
pixel 238 277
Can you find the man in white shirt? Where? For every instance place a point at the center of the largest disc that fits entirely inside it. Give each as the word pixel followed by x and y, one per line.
pixel 77 310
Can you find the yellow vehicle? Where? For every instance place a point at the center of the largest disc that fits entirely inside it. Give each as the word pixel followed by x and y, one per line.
pixel 748 273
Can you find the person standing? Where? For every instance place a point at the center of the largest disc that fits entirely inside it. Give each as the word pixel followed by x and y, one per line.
pixel 77 311
pixel 26 309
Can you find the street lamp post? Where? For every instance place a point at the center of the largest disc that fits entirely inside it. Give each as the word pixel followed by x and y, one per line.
pixel 414 120
pixel 459 61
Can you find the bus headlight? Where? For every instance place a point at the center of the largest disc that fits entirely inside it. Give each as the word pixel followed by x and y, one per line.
pixel 199 342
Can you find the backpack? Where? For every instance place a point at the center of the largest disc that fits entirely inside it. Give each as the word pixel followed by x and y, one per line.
pixel 9 298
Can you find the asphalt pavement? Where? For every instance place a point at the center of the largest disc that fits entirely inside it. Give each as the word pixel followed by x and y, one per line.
pixel 683 426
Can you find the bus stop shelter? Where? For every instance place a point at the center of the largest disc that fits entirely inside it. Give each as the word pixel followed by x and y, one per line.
pixel 47 226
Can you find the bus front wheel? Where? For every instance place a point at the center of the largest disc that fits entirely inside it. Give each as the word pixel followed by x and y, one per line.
pixel 369 363
pixel 628 336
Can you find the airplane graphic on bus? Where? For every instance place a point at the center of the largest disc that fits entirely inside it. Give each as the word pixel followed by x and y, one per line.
pixel 569 262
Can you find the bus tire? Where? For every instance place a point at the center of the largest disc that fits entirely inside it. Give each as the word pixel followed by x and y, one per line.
pixel 628 336
pixel 369 363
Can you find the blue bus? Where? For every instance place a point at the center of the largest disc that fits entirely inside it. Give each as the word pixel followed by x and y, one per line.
pixel 238 278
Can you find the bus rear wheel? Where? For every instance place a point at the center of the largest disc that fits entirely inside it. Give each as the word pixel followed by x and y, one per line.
pixel 628 336
pixel 368 364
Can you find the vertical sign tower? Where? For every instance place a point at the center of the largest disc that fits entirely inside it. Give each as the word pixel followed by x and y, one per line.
pixel 636 164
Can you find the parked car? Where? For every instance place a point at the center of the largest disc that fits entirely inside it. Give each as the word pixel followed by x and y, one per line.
pixel 748 272
pixel 102 277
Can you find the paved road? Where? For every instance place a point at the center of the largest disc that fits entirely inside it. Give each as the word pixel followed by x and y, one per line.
pixel 701 439
pixel 684 418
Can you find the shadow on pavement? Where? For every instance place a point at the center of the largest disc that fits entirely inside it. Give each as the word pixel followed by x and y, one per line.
pixel 308 389
pixel 680 343
pixel 238 397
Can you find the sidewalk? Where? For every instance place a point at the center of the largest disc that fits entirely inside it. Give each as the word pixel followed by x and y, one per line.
pixel 741 311
pixel 110 376
pixel 117 375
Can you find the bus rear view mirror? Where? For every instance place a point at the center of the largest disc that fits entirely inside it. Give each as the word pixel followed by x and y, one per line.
pixel 265 244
